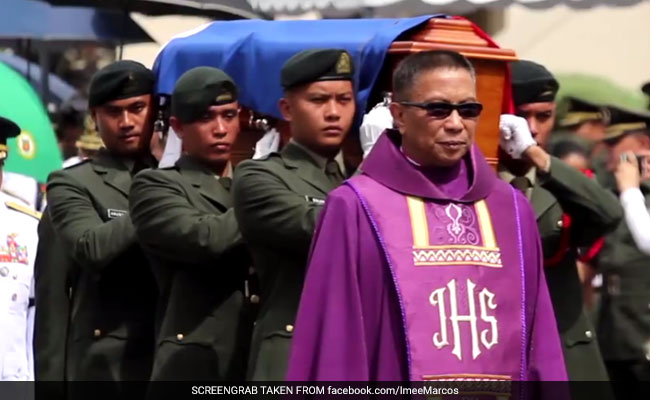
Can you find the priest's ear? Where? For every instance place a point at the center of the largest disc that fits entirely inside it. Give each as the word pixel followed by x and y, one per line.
pixel 397 111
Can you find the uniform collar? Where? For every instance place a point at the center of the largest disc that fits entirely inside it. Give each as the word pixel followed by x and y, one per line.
pixel 321 161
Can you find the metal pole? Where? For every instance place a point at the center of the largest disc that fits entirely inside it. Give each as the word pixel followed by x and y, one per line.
pixel 44 61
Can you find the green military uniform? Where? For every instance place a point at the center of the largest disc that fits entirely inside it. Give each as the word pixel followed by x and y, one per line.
pixel 572 211
pixel 277 203
pixel 53 276
pixel 624 320
pixel 184 218
pixel 593 211
pixel 110 336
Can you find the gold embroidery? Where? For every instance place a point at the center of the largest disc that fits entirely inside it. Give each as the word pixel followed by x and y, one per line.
pixel 425 254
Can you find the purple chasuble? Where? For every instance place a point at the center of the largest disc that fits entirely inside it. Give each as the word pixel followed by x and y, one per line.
pixel 418 276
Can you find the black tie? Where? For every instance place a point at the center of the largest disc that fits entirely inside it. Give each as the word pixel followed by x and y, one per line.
pixel 333 173
pixel 521 183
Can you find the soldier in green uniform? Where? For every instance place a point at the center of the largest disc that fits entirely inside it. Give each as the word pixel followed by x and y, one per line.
pixel 278 199
pixel 624 321
pixel 113 292
pixel 184 219
pixel 572 211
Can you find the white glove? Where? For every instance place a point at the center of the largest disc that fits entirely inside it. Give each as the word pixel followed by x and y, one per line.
pixel 515 136
pixel 269 143
pixel 374 124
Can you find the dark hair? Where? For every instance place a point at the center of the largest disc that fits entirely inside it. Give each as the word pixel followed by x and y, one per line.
pixel 566 147
pixel 408 69
pixel 68 119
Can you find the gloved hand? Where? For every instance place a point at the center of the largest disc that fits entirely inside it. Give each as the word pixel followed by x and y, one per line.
pixel 515 136
pixel 374 124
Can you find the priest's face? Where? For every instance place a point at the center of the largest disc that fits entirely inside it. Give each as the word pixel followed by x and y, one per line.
pixel 320 114
pixel 430 137
pixel 540 118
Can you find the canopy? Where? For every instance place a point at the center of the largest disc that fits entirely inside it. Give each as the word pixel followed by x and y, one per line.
pixel 253 53
pixel 217 9
pixel 456 6
pixel 35 20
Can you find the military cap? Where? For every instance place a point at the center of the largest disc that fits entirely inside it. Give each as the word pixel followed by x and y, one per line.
pixel 316 65
pixel 580 111
pixel 624 121
pixel 120 80
pixel 200 88
pixel 532 83
pixel 8 129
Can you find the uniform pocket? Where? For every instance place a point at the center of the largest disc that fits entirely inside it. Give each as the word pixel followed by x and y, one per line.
pixel 273 357
pixel 580 333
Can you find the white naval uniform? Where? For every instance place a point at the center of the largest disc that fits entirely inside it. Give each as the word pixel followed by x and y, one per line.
pixel 18 242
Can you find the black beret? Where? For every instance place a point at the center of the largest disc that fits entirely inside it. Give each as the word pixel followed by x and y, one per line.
pixel 120 80
pixel 624 121
pixel 316 65
pixel 579 111
pixel 8 129
pixel 200 88
pixel 532 83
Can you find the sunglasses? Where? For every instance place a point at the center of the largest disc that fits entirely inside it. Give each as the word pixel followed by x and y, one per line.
pixel 440 110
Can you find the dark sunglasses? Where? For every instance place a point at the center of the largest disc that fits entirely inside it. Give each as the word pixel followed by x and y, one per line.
pixel 442 110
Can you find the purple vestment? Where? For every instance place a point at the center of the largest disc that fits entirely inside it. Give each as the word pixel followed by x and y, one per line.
pixel 384 301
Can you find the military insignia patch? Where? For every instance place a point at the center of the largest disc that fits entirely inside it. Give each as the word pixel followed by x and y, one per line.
pixel 26 145
pixel 344 65
pixel 12 252
pixel 112 213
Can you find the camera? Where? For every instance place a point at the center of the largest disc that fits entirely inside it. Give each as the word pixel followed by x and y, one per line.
pixel 640 160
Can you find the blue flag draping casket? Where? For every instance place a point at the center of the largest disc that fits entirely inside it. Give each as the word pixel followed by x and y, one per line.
pixel 253 52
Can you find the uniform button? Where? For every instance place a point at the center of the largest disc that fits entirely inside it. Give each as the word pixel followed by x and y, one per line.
pixel 255 299
pixel 179 337
pixel 97 333
pixel 289 328
pixel 251 271
pixel 15 277
pixel 4 271
pixel 589 334
pixel 560 224
pixel 14 297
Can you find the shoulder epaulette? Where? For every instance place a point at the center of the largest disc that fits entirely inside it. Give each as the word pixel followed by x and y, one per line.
pixel 82 162
pixel 23 209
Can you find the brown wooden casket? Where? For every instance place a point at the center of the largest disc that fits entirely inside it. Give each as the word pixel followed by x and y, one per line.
pixel 437 34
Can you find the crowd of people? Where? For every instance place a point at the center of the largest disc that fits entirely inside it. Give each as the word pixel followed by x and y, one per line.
pixel 420 264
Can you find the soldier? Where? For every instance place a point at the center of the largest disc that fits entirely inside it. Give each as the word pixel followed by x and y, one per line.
pixel 278 198
pixel 54 272
pixel 184 218
pixel 585 119
pixel 18 241
pixel 572 211
pixel 110 337
pixel 624 321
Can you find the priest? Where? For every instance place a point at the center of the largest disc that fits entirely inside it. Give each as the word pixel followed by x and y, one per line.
pixel 426 266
